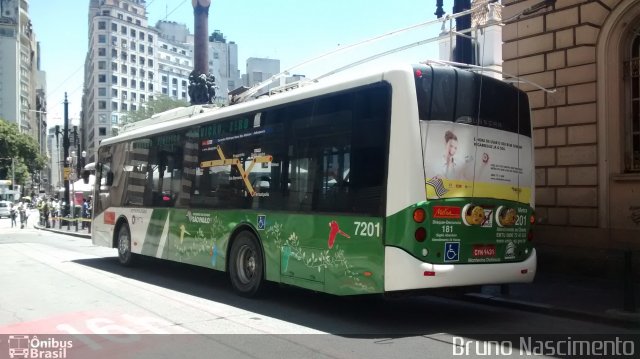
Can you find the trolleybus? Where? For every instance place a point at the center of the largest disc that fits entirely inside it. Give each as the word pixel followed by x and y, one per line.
pixel 400 179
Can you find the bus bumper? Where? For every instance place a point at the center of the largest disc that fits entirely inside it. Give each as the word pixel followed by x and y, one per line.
pixel 405 272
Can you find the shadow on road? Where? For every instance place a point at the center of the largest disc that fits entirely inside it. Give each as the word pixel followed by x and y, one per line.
pixel 370 316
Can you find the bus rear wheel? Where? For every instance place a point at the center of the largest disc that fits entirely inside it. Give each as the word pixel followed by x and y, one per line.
pixel 246 266
pixel 125 256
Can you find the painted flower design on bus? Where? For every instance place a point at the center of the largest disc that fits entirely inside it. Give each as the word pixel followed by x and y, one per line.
pixel 334 231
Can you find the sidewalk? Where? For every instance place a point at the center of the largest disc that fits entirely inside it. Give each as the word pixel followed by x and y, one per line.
pixel 582 298
pixel 84 233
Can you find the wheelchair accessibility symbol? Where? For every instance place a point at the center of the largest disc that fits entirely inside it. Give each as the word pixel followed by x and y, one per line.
pixel 262 222
pixel 452 251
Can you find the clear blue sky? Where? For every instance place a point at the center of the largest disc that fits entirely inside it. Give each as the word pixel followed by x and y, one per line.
pixel 289 30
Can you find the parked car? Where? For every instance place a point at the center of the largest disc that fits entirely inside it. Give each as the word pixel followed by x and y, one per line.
pixel 4 209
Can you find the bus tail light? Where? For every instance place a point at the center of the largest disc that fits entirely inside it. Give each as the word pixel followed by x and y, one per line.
pixel 419 215
pixel 524 271
pixel 420 234
pixel 429 273
pixel 532 219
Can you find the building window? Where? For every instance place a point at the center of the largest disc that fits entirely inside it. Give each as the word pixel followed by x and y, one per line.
pixel 114 53
pixel 632 126
pixel 114 119
pixel 216 55
pixel 114 79
pixel 150 63
pixel 102 65
pixel 164 79
pixel 102 51
pixel 133 33
pixel 133 107
pixel 102 131
pixel 123 81
pixel 150 50
pixel 114 106
pixel 141 35
pixel 102 118
pixel 142 99
pixel 124 107
pixel 133 83
pixel 150 38
pixel 124 95
pixel 174 93
pixel 114 27
pixel 102 105
pixel 123 30
pixel 114 66
pixel 174 81
pixel 142 85
pixel 102 91
pixel 102 78
pixel 184 83
pixel 164 90
pixel 133 58
pixel 134 72
pixel 114 92
pixel 102 39
pixel 123 69
pixel 141 48
pixel 150 89
pixel 138 22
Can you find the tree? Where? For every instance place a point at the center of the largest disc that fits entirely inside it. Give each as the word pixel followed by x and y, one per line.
pixel 23 149
pixel 159 104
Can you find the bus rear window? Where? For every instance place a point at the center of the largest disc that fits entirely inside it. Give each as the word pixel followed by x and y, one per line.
pixel 450 94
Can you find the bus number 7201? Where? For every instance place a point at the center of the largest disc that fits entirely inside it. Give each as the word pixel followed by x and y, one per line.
pixel 367 229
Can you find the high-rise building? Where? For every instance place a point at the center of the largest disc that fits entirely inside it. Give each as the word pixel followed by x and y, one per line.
pixel 260 69
pixel 54 174
pixel 120 67
pixel 223 64
pixel 175 59
pixel 18 71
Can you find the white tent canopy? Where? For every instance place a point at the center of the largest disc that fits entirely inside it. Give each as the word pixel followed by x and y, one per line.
pixel 80 186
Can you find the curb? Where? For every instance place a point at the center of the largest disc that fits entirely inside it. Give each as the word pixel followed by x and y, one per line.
pixel 611 317
pixel 60 231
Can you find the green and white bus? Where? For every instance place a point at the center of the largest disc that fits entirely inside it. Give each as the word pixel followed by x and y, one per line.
pixel 414 177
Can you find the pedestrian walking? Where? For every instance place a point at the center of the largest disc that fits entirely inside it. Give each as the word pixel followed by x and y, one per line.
pixel 24 216
pixel 13 213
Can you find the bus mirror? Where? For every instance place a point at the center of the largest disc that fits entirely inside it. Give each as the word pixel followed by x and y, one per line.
pixel 109 178
pixel 85 176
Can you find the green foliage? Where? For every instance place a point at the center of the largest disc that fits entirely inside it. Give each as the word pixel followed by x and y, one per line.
pixel 159 104
pixel 23 149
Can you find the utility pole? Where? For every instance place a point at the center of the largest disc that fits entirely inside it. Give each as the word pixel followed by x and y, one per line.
pixel 65 145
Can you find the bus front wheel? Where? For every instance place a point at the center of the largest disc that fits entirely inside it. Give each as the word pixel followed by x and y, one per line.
pixel 246 266
pixel 125 256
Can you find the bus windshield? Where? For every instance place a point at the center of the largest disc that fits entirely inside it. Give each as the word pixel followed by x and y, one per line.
pixel 476 135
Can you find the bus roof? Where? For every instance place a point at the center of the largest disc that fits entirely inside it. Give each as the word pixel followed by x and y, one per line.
pixel 194 115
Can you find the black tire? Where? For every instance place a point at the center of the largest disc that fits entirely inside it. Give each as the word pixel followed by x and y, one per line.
pixel 246 265
pixel 125 256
